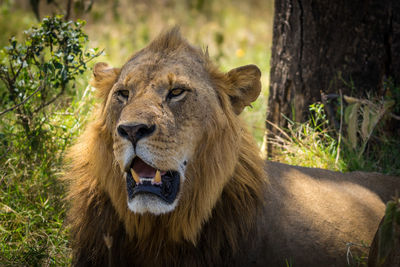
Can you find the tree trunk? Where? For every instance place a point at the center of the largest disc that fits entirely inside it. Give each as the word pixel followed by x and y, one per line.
pixel 327 46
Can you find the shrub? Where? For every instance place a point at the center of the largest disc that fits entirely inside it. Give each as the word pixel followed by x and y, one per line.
pixel 39 78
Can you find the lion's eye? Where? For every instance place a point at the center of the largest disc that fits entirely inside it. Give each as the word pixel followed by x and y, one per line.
pixel 175 93
pixel 123 94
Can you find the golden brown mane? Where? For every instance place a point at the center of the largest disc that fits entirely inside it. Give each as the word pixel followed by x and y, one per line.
pixel 227 177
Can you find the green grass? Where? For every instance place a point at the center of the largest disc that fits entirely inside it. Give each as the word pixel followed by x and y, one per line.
pixel 315 144
pixel 309 144
pixel 32 215
pixel 32 210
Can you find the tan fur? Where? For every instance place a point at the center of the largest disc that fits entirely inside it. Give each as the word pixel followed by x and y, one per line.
pixel 96 182
pixel 225 214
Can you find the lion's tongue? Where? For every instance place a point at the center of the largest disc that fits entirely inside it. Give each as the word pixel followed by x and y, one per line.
pixel 142 169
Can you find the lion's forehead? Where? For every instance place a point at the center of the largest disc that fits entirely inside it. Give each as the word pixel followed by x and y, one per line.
pixel 153 67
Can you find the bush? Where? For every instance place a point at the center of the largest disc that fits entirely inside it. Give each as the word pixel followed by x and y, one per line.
pixel 39 77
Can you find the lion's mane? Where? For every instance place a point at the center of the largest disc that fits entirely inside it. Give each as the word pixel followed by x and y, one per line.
pixel 209 221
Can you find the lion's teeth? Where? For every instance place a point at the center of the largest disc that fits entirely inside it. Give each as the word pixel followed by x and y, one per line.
pixel 157 177
pixel 135 176
pixel 138 180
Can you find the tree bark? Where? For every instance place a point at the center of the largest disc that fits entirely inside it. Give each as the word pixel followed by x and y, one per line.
pixel 327 46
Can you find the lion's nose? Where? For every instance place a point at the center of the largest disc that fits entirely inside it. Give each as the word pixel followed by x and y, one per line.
pixel 135 132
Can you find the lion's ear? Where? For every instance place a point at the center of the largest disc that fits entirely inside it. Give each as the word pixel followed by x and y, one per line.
pixel 244 86
pixel 104 77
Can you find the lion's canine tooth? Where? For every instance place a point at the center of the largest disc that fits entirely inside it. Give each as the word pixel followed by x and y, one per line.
pixel 157 178
pixel 135 176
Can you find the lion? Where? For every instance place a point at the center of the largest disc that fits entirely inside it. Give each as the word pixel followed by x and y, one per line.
pixel 166 174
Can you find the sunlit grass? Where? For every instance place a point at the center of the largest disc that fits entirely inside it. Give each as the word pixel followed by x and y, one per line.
pixel 31 217
pixel 32 207
pixel 303 145
pixel 315 144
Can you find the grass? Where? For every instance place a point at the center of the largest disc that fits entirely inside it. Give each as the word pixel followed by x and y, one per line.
pixel 32 220
pixel 32 210
pixel 301 144
pixel 315 144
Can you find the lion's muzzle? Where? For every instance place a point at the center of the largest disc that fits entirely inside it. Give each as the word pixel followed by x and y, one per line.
pixel 135 132
pixel 144 179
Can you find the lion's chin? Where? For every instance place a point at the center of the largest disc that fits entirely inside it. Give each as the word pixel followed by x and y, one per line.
pixel 151 204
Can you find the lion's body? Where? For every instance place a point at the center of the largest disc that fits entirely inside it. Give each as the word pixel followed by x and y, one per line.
pixel 314 216
pixel 231 208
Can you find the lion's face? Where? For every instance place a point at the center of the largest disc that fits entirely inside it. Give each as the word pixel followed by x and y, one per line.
pixel 159 108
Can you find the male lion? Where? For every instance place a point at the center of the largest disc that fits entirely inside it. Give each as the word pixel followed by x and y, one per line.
pixel 167 175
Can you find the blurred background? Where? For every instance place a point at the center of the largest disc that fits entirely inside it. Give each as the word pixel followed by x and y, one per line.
pixel 235 32
pixel 34 137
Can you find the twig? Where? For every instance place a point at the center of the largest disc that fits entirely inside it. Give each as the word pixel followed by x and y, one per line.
pixel 349 255
pixel 289 138
pixel 395 116
pixel 76 68
pixel 22 102
pixel 340 129
pixel 50 101
pixel 279 129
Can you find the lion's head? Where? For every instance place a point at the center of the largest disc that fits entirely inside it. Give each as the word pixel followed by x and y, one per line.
pixel 167 141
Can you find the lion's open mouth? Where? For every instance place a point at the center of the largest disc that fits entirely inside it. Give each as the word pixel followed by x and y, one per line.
pixel 144 179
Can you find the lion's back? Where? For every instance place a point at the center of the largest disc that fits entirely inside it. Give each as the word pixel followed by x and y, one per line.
pixel 313 217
